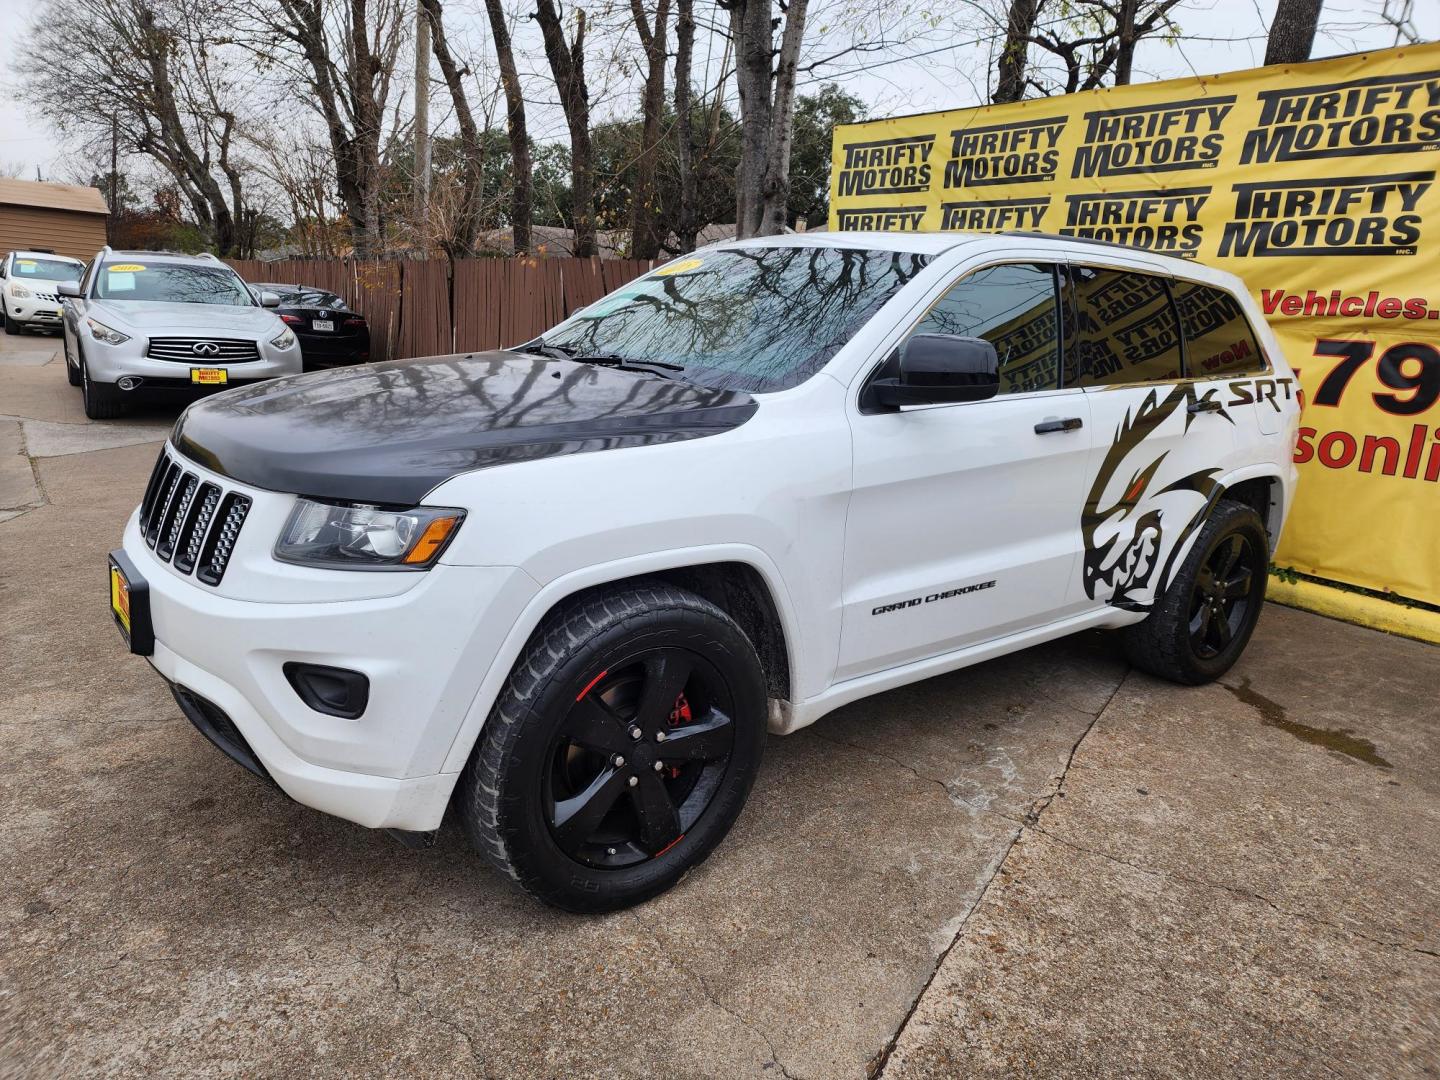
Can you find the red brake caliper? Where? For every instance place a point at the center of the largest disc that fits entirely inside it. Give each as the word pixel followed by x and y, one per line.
pixel 679 716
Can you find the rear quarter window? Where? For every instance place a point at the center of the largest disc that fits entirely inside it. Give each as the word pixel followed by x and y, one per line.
pixel 1219 340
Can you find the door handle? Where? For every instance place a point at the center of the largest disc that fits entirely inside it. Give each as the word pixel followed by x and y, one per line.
pixel 1205 405
pixel 1070 423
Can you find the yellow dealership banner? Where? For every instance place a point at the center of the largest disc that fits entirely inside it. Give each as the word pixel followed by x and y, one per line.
pixel 1315 183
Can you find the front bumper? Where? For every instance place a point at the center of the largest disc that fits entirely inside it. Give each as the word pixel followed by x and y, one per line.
pixel 425 652
pixel 108 363
pixel 36 314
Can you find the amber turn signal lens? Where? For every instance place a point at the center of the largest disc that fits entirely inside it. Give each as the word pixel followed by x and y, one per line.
pixel 431 541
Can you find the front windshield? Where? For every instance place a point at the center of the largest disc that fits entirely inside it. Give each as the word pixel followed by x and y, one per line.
pixel 27 266
pixel 172 283
pixel 755 319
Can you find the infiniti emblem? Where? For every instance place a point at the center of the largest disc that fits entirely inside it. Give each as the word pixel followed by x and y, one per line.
pixel 205 348
pixel 324 314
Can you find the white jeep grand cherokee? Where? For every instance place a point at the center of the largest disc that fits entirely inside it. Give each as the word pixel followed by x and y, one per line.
pixel 147 324
pixel 565 588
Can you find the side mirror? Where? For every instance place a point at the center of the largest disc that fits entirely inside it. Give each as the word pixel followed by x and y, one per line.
pixel 69 289
pixel 942 368
pixel 269 299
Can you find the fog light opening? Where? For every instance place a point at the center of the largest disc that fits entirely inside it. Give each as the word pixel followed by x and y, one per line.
pixel 330 690
pixel 129 382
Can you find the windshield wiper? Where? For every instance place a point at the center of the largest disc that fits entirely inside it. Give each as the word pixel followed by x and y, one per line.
pixel 611 360
pixel 541 347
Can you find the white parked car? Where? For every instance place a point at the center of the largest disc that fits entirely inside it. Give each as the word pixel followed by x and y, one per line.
pixel 30 288
pixel 156 324
pixel 564 589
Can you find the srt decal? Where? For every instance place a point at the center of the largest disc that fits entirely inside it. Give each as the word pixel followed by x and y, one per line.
pixel 901 605
pixel 1347 215
pixel 1159 220
pixel 881 219
pixel 1017 153
pixel 887 166
pixel 1144 505
pixel 1387 114
pixel 993 215
pixel 1153 138
pixel 1261 391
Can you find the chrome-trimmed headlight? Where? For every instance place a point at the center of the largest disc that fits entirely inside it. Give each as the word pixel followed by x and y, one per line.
pixel 106 334
pixel 362 536
pixel 284 339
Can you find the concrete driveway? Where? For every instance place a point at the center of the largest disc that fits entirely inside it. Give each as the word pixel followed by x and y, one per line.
pixel 1045 865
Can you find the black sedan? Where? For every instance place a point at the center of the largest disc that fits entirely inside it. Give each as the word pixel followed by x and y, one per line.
pixel 331 335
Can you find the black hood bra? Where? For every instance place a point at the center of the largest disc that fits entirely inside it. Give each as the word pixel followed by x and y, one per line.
pixel 390 432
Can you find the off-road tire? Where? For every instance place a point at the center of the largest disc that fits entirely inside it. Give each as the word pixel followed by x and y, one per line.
pixel 498 799
pixel 1162 643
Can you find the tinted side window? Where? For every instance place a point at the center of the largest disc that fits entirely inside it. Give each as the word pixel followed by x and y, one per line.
pixel 1012 307
pixel 1128 332
pixel 1218 338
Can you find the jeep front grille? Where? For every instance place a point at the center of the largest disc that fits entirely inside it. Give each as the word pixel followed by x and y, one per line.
pixel 191 523
pixel 196 350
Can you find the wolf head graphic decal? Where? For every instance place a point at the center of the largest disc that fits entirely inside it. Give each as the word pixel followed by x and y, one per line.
pixel 1146 500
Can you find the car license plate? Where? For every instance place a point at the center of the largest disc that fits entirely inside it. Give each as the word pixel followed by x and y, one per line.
pixel 209 376
pixel 130 604
pixel 120 598
pixel 322 324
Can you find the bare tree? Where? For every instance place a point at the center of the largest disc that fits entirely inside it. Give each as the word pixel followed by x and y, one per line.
pixel 1094 42
pixel 567 64
pixel 765 79
pixel 304 175
pixel 1292 31
pixel 1011 66
pixel 687 227
pixel 1401 20
pixel 522 200
pixel 348 51
pixel 465 224
pixel 645 235
pixel 170 102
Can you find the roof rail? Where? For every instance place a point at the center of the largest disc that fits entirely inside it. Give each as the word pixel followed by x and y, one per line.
pixel 208 255
pixel 1036 234
pixel 106 250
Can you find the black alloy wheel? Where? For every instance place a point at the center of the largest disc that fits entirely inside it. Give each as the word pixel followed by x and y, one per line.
pixel 1221 600
pixel 620 751
pixel 639 758
pixel 1202 622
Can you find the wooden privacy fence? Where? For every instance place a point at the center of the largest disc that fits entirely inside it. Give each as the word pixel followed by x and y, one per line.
pixel 433 306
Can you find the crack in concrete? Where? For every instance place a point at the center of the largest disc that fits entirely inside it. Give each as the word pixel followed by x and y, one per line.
pixel 443 1021
pixel 745 1021
pixel 881 1060
pixel 1235 890
pixel 36 484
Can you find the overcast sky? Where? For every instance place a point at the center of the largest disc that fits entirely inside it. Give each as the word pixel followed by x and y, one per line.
pixel 1220 35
